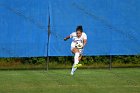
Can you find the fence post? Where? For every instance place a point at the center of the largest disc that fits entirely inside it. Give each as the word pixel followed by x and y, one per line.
pixel 49 32
pixel 110 62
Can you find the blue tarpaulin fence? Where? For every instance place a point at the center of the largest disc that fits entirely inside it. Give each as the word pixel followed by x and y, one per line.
pixel 112 27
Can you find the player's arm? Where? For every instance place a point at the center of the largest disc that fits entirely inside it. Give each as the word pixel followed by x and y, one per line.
pixel 85 41
pixel 66 38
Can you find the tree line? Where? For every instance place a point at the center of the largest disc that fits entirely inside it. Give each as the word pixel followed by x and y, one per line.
pixel 87 60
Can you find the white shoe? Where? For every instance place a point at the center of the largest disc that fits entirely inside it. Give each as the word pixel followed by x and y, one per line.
pixel 71 73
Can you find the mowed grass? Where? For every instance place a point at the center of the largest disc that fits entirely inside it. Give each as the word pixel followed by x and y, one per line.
pixel 126 80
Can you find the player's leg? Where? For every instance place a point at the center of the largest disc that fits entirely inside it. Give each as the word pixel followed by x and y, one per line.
pixel 80 57
pixel 76 53
pixel 81 53
pixel 76 56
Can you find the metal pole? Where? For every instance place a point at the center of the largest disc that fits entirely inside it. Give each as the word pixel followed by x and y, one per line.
pixel 110 62
pixel 48 43
pixel 47 63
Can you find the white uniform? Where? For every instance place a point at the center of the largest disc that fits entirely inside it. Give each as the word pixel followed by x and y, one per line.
pixel 75 40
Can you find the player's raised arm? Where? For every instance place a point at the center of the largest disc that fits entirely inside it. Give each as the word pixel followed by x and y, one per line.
pixel 66 38
pixel 70 36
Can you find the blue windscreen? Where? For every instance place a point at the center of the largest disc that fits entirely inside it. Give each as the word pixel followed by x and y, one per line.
pixel 112 27
pixel 23 27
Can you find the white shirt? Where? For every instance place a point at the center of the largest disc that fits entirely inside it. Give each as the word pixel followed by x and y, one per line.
pixel 75 39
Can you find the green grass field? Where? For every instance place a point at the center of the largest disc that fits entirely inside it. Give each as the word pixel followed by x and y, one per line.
pixel 126 80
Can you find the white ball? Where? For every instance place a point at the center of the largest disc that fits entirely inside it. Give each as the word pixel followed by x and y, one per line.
pixel 79 45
